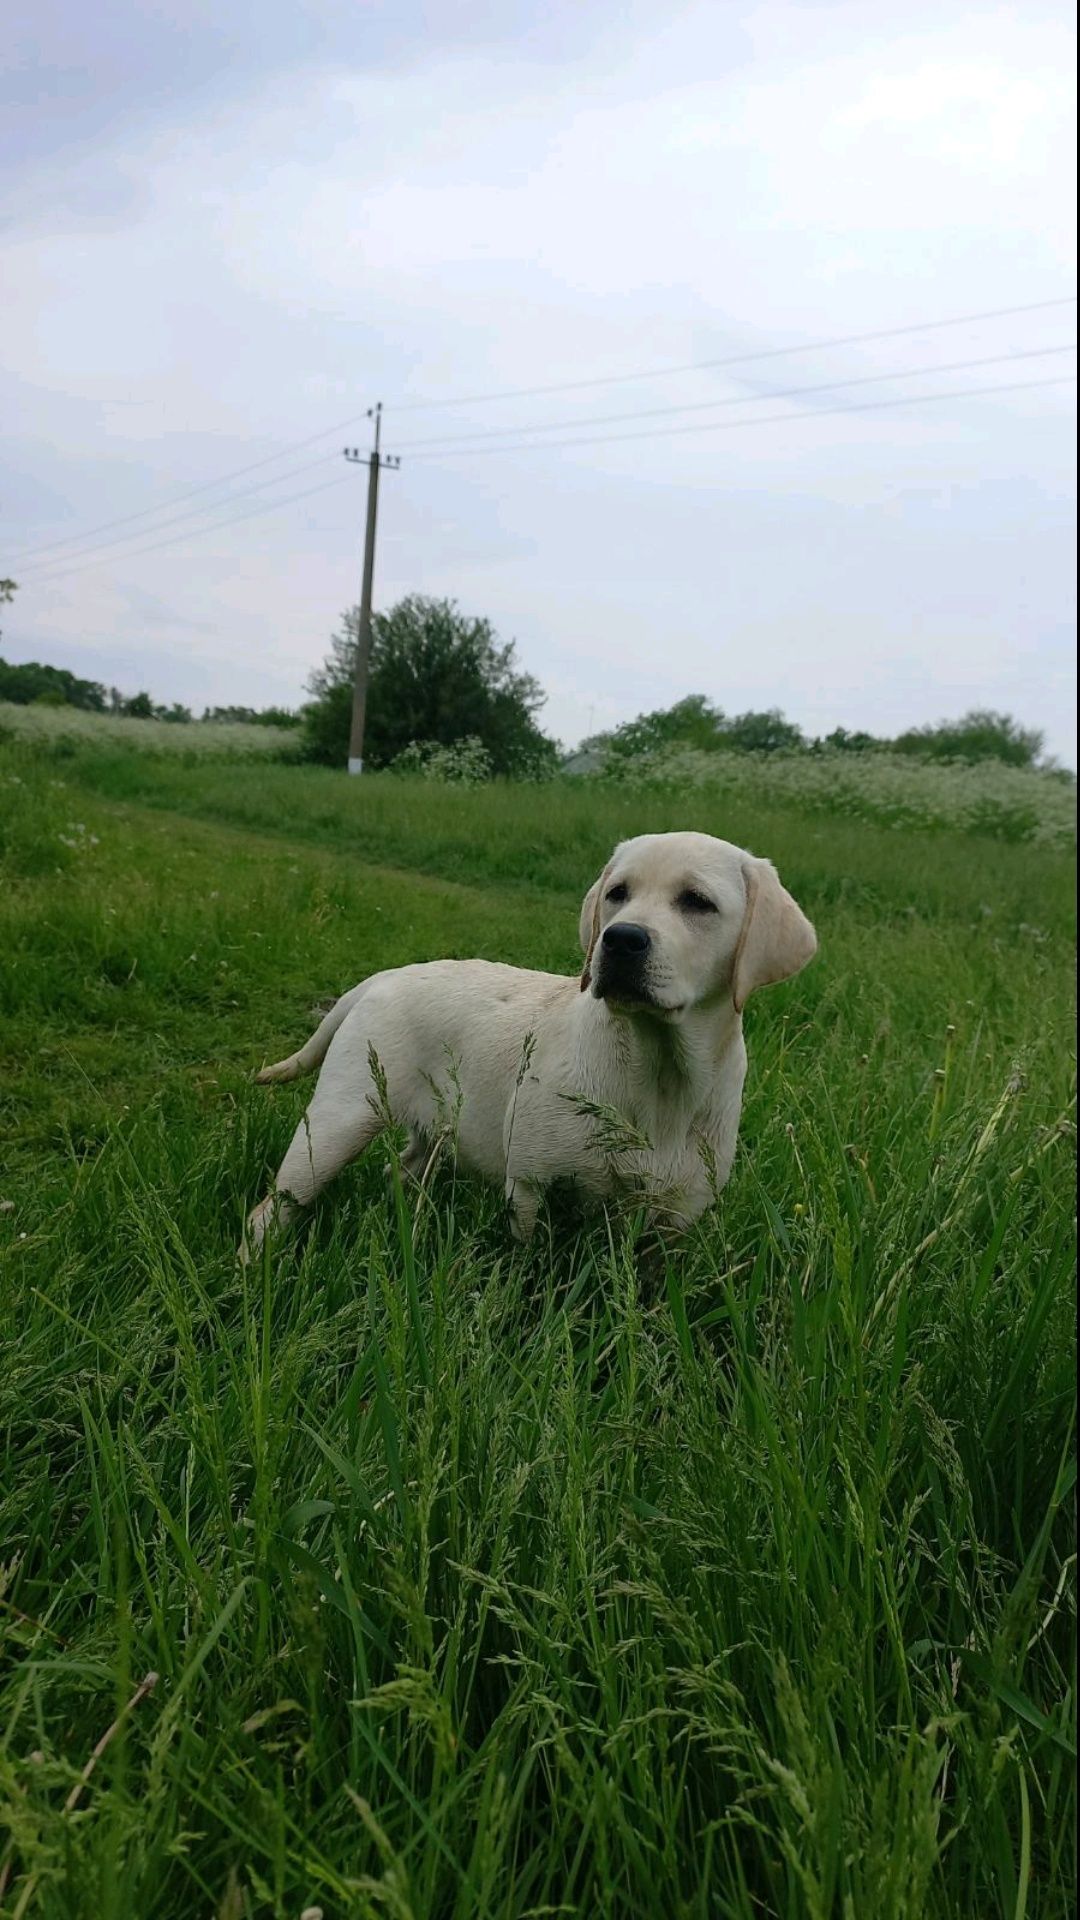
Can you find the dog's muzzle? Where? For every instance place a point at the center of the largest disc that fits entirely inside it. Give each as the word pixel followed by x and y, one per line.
pixel 623 957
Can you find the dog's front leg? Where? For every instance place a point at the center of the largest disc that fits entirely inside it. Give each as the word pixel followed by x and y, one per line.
pixel 271 1216
pixel 523 1200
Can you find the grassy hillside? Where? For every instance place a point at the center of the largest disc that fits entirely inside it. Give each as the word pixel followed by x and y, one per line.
pixel 489 1582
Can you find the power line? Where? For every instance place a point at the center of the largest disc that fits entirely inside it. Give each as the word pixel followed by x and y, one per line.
pixel 564 386
pixel 59 565
pixel 755 420
pixel 194 533
pixel 190 513
pixel 721 426
pixel 738 399
pixel 145 513
pixel 739 359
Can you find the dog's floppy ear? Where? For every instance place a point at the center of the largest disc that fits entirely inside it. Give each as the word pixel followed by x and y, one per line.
pixel 776 940
pixel 589 924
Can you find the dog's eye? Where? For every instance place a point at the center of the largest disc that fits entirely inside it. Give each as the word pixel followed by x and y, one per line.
pixel 692 902
pixel 617 894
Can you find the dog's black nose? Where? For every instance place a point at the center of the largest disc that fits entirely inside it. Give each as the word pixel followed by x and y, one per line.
pixel 625 941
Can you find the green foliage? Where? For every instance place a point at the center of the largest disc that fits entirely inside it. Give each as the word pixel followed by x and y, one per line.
pixel 254 716
pixel 481 1582
pixel 979 735
pixel 766 732
pixel 691 722
pixel 695 724
pixel 841 740
pixel 326 722
pixel 39 685
pixel 437 675
pixel 20 685
pixel 140 706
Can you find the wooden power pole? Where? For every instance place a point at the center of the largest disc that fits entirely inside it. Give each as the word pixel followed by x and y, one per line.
pixel 375 460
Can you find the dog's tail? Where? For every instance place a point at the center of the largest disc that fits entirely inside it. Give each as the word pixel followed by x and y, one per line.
pixel 313 1052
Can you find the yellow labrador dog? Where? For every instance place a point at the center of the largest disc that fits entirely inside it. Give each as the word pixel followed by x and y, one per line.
pixel 528 1070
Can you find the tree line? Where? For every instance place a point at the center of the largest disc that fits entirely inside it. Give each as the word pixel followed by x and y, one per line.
pixel 696 722
pixel 34 684
pixel 441 679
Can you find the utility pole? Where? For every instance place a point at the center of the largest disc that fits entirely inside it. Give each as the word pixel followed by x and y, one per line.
pixel 375 460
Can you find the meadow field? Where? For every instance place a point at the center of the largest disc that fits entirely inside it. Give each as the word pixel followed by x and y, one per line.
pixel 54 727
pixel 480 1582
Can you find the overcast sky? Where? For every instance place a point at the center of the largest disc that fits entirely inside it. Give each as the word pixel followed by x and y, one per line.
pixel 228 230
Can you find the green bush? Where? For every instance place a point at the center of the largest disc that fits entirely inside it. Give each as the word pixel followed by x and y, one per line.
pixel 978 735
pixel 436 675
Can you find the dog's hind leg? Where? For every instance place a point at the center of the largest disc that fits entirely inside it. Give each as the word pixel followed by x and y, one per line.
pixel 416 1155
pixel 342 1119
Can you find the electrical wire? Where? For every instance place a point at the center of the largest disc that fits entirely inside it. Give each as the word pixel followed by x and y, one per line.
pixel 195 533
pixel 44 568
pixel 738 399
pixel 758 420
pixel 736 359
pixel 518 393
pixel 59 566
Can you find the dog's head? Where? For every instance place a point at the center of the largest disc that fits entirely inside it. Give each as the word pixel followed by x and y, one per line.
pixel 679 920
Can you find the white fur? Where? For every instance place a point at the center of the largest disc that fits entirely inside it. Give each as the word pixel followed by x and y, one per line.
pixel 507 1063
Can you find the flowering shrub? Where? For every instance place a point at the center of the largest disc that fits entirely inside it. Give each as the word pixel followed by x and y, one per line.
pixel 464 763
pixel 1007 803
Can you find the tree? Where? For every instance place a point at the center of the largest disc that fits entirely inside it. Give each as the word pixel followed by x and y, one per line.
pixel 978 735
pixel 436 676
pixel 691 722
pixel 33 683
pixel 695 722
pixel 766 732
pixel 254 716
pixel 138 706
pixel 841 741
pixel 8 590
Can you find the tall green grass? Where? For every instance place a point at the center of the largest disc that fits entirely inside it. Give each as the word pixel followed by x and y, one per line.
pixel 64 730
pixel 488 1582
pixel 557 836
